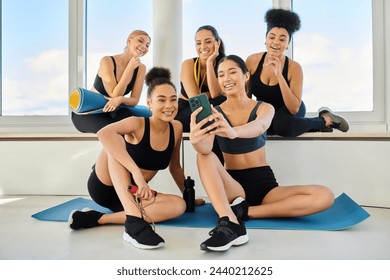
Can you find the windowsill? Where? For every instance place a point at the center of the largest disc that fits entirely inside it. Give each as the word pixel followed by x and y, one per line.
pixel 47 136
pixel 336 136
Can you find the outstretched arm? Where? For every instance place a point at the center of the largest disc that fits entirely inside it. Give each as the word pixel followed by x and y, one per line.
pixel 265 113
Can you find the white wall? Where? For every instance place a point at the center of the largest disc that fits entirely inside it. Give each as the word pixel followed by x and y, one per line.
pixel 358 168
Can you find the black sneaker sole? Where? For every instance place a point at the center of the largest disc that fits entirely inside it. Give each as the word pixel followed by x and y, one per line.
pixel 135 243
pixel 236 242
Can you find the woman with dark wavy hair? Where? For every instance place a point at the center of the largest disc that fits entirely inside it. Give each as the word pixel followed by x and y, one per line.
pixel 244 187
pixel 198 75
pixel 278 80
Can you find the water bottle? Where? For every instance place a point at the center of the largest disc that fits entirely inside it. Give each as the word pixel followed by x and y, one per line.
pixel 189 194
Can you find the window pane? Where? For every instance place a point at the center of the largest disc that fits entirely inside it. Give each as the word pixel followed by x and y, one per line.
pixel 109 23
pixel 240 24
pixel 334 48
pixel 34 57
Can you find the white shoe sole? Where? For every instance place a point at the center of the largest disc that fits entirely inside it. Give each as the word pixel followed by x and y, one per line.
pixel 134 242
pixel 344 126
pixel 236 242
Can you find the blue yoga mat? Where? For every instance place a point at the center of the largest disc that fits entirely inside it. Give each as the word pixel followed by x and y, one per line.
pixel 84 102
pixel 343 214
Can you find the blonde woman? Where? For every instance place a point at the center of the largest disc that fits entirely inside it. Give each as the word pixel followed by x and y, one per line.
pixel 118 76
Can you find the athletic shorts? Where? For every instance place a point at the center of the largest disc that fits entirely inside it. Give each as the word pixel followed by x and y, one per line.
pixel 257 182
pixel 102 194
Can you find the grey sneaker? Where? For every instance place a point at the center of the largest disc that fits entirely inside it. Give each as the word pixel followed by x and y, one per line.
pixel 338 121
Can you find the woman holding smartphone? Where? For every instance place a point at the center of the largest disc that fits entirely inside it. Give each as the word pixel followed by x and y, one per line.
pixel 246 186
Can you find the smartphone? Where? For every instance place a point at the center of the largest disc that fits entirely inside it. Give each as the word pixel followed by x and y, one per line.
pixel 201 100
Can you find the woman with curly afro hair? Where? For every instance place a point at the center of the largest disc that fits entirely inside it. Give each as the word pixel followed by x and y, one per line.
pixel 134 150
pixel 278 80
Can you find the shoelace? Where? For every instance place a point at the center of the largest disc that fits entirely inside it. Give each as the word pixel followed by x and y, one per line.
pixel 222 227
pixel 141 209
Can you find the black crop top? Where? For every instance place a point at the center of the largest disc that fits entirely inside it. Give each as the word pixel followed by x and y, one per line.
pixel 266 93
pixel 241 145
pixel 144 155
pixel 98 84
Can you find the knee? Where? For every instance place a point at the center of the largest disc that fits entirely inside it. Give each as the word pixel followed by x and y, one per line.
pixel 178 205
pixel 324 198
pixel 285 127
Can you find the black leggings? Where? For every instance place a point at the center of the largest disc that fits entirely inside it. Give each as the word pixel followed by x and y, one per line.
pixel 288 125
pixel 94 122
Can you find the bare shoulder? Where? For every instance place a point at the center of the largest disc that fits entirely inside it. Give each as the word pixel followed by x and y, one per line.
pixel 177 127
pixel 265 107
pixel 294 65
pixel 141 69
pixel 188 63
pixel 178 130
pixel 253 60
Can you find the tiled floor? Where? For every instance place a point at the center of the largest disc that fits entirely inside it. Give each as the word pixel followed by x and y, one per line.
pixel 24 238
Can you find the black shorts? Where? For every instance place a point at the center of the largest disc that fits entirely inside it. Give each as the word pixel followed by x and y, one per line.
pixel 102 194
pixel 257 182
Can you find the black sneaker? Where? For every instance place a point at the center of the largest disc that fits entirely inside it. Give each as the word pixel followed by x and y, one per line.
pixel 240 208
pixel 140 234
pixel 225 235
pixel 85 218
pixel 338 121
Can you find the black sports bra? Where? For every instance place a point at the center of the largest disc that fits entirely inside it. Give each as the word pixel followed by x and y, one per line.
pixel 144 155
pixel 241 145
pixel 98 84
pixel 270 94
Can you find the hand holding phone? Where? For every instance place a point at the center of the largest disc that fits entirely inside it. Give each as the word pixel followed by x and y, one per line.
pixel 201 100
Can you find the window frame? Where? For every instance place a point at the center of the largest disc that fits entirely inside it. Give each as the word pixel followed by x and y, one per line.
pixel 375 121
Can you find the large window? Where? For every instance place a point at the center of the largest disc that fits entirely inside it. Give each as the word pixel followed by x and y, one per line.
pixel 240 24
pixel 50 47
pixel 334 48
pixel 107 35
pixel 34 58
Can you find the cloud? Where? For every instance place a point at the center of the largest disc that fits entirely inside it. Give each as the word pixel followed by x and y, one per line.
pixel 49 61
pixel 42 87
pixel 335 76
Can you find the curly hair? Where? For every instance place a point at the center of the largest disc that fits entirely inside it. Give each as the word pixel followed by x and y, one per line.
pixel 282 18
pixel 158 76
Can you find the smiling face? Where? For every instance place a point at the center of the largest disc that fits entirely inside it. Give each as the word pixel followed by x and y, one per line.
pixel 204 43
pixel 139 45
pixel 277 41
pixel 231 77
pixel 163 102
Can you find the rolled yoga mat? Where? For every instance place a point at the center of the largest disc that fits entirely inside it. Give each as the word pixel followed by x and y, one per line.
pixel 84 102
pixel 343 214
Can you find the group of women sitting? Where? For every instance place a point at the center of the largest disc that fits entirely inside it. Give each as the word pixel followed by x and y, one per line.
pixel 231 151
